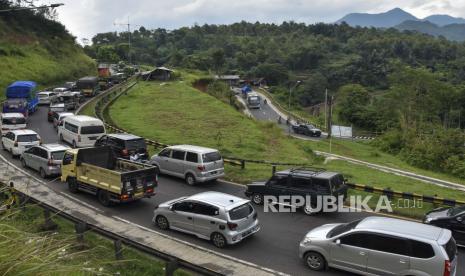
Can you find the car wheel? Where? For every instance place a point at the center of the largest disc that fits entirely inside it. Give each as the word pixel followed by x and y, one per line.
pixel 218 240
pixel 162 223
pixel 257 199
pixel 190 179
pixel 315 261
pixel 72 185
pixel 74 144
pixel 23 163
pixel 104 198
pixel 309 210
pixel 42 173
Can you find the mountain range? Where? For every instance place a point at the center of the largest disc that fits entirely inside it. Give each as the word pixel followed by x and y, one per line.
pixel 452 28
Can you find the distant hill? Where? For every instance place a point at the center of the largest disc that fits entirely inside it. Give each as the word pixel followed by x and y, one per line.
pixel 443 20
pixel 33 47
pixel 380 20
pixel 452 28
pixel 454 32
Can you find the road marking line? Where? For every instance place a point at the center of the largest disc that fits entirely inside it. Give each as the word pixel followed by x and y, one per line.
pixel 202 248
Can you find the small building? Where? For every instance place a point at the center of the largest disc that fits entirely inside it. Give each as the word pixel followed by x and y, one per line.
pixel 232 80
pixel 159 73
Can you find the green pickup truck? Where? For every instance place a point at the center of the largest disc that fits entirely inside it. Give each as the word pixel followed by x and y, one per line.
pixel 112 180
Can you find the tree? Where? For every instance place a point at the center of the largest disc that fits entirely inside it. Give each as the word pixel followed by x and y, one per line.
pixel 218 60
pixel 352 104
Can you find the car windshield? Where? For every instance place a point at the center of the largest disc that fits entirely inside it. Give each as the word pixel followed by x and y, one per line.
pixel 13 121
pixel 92 130
pixel 58 155
pixel 211 157
pixel 241 212
pixel 27 138
pixel 135 144
pixel 342 228
pixel 455 211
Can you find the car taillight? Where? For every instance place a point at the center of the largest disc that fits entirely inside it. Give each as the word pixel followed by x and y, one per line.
pixel 447 268
pixel 149 191
pixel 49 113
pixel 125 152
pixel 232 226
pixel 50 162
pixel 123 197
pixel 16 144
pixel 79 138
pixel 201 167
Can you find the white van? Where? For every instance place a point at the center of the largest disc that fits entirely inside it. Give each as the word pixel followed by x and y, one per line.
pixel 81 131
pixel 12 121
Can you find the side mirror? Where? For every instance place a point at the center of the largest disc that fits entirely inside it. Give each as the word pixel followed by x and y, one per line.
pixel 338 242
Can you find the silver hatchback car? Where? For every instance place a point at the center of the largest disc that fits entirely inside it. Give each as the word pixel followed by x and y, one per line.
pixel 381 246
pixel 222 218
pixel 192 163
pixel 46 159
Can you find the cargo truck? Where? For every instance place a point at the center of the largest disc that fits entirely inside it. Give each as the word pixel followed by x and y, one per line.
pixel 88 86
pixel 21 98
pixel 113 180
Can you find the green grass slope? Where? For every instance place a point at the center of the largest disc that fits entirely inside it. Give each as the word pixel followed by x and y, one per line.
pixel 27 55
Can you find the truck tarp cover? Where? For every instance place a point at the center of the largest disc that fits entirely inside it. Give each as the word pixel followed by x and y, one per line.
pixel 87 82
pixel 102 157
pixel 20 89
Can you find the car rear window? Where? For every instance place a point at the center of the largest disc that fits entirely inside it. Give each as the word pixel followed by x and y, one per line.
pixel 57 155
pixel 92 129
pixel 135 144
pixel 211 157
pixel 13 121
pixel 27 138
pixel 241 212
pixel 451 249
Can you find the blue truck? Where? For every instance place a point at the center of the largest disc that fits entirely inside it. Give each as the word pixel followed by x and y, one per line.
pixel 21 97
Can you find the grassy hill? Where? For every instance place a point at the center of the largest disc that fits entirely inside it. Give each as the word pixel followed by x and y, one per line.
pixel 38 49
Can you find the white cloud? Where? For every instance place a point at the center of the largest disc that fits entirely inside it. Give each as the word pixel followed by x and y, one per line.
pixel 85 18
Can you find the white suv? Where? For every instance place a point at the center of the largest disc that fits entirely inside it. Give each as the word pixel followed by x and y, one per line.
pixel 17 141
pixel 222 218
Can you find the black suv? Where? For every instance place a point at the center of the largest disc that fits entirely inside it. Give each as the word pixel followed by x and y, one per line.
pixel 125 145
pixel 312 182
pixel 449 218
pixel 306 129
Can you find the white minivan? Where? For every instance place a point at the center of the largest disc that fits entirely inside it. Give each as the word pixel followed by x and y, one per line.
pixel 12 121
pixel 81 131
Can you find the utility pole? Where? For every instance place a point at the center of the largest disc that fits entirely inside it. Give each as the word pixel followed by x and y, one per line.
pixel 326 106
pixel 129 37
pixel 330 116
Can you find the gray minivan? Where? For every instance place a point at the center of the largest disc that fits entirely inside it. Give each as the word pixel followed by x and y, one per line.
pixel 192 163
pixel 381 246
pixel 46 159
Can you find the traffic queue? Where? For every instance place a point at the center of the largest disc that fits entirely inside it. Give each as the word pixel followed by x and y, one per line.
pixel 117 168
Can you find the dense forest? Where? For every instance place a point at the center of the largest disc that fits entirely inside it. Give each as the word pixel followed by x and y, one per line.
pixel 407 85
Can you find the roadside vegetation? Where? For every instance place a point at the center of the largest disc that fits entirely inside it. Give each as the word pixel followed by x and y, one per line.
pixel 28 250
pixel 33 47
pixel 176 113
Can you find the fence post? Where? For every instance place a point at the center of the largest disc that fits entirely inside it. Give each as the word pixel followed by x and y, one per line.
pixel 49 224
pixel 242 164
pixel 170 267
pixel 80 228
pixel 273 169
pixel 118 249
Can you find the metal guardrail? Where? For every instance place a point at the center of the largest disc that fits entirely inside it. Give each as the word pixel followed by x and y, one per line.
pixel 81 227
pixel 404 195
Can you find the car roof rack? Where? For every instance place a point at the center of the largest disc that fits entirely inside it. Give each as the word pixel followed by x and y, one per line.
pixel 314 170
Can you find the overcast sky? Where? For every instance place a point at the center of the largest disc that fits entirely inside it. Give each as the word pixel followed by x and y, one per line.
pixel 85 18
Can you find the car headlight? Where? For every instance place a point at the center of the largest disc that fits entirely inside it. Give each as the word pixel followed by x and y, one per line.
pixel 306 241
pixel 428 220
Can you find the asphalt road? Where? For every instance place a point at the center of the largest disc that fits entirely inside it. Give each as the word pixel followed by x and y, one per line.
pixel 275 246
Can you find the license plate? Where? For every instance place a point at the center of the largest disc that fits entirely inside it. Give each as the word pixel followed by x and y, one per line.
pixel 247 233
pixel 92 138
pixel 215 172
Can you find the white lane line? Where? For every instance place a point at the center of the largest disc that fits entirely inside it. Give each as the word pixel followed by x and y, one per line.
pixel 202 248
pixel 81 202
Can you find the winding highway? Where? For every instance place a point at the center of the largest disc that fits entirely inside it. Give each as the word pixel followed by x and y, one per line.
pixel 274 247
